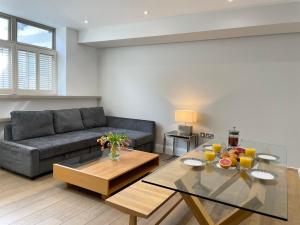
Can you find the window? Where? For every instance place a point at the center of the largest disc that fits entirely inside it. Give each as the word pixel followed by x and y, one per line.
pixel 34 35
pixel 46 70
pixel 6 68
pixel 4 28
pixel 36 70
pixel 27 57
pixel 26 70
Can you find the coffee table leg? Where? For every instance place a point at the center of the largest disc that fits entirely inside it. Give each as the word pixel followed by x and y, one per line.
pixel 103 197
pixel 132 220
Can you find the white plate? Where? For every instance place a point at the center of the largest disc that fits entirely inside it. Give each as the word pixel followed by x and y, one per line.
pixel 193 162
pixel 262 175
pixel 268 157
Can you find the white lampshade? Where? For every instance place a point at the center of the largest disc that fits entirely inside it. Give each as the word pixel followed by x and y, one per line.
pixel 185 116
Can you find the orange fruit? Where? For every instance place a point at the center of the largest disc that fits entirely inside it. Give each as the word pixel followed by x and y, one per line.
pixel 225 163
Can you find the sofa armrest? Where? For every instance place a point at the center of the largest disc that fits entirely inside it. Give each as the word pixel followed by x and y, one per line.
pixel 132 124
pixel 19 158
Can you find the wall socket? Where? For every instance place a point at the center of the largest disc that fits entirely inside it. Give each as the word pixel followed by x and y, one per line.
pixel 207 135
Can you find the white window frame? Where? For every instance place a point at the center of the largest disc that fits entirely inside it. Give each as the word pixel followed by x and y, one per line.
pixel 15 46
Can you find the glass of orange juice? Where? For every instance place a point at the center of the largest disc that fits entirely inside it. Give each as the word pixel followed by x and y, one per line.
pixel 250 152
pixel 209 155
pixel 246 162
pixel 216 148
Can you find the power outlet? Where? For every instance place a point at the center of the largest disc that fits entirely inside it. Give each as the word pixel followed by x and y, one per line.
pixel 207 135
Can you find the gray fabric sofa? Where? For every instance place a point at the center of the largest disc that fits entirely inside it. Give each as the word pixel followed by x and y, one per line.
pixel 34 140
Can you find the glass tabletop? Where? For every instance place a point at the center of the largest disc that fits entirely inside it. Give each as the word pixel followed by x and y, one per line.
pixel 233 187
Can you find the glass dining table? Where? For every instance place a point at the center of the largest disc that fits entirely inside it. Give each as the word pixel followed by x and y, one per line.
pixel 233 187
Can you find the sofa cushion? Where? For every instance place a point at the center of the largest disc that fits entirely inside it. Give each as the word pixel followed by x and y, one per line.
pixel 93 117
pixel 67 120
pixel 60 144
pixel 137 137
pixel 31 124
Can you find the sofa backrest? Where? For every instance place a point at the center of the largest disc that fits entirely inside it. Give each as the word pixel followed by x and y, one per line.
pixel 93 117
pixel 67 120
pixel 31 124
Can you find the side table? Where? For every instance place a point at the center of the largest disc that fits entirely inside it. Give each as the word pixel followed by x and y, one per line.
pixel 177 135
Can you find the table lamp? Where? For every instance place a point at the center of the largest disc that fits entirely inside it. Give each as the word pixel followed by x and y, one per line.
pixel 185 116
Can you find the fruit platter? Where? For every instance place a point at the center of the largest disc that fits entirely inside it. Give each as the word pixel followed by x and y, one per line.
pixel 235 158
pixel 230 158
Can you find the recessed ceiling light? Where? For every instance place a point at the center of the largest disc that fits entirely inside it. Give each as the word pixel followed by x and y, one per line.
pixel 146 12
pixel 86 21
pixel 230 0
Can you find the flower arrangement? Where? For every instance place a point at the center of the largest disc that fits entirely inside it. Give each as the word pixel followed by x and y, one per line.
pixel 114 142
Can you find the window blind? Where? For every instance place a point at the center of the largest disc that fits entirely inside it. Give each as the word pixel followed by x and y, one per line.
pixel 26 70
pixel 5 67
pixel 46 72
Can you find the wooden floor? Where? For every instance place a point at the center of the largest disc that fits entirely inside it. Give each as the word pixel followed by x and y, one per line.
pixel 46 201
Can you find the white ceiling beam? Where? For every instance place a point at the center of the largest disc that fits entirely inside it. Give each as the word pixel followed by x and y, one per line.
pixel 274 19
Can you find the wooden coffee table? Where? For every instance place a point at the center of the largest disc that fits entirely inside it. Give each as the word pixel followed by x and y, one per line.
pixel 104 176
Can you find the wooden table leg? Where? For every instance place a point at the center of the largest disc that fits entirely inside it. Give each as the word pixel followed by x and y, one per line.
pixel 203 218
pixel 235 218
pixel 197 209
pixel 104 197
pixel 132 220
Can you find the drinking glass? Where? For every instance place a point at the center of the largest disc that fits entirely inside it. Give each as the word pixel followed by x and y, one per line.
pixel 209 156
pixel 246 162
pixel 250 152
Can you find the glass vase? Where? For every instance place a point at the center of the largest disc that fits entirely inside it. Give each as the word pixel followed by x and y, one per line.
pixel 114 153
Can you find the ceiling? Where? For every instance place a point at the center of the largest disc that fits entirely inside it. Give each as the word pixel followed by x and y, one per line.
pixel 72 13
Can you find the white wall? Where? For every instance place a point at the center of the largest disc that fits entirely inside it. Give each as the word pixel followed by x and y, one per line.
pixel 82 67
pixel 61 49
pixel 252 83
pixel 77 65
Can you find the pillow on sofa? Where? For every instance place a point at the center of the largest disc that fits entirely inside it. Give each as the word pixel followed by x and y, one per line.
pixel 93 117
pixel 31 124
pixel 67 120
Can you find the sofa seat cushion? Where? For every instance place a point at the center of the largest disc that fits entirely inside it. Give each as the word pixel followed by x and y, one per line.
pixel 93 117
pixel 67 120
pixel 60 144
pixel 137 137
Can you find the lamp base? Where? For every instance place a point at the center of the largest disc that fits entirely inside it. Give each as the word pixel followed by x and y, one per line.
pixel 185 130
